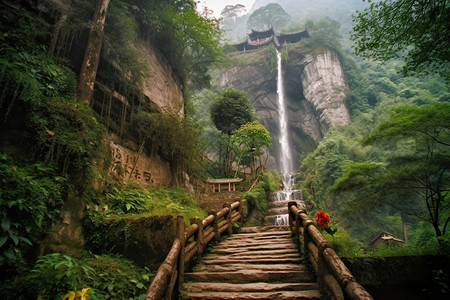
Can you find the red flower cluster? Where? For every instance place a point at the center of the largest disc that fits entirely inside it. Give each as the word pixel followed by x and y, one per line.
pixel 322 219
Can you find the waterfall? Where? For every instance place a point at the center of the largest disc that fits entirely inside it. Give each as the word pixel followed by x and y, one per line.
pixel 285 149
pixel 277 213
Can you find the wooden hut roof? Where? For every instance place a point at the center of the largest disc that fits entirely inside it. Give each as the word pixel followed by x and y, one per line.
pixel 384 235
pixel 292 37
pixel 254 35
pixel 224 180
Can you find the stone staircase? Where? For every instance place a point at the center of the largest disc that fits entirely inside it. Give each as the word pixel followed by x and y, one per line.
pixel 277 214
pixel 257 263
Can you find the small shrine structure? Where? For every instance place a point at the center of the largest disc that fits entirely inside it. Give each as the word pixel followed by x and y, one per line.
pixel 385 237
pixel 223 184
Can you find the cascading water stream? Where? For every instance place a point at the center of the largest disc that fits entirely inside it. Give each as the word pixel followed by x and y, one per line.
pixel 285 149
pixel 286 164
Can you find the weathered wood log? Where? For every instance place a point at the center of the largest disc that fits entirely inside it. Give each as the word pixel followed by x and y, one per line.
pixel 208 220
pixel 162 278
pixel 240 209
pixel 319 240
pixel 171 286
pixel 199 234
pixel 333 286
pixel 207 232
pixel 222 223
pixel 228 218
pixel 191 231
pixel 188 248
pixel 222 212
pixel 215 225
pixel 235 205
pixel 343 275
pixel 223 228
pixel 208 237
pixel 181 236
pixel 189 253
pixel 235 217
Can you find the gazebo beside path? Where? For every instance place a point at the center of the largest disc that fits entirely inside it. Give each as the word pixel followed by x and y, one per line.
pixel 218 184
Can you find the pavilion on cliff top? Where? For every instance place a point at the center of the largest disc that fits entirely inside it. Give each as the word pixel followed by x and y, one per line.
pixel 257 39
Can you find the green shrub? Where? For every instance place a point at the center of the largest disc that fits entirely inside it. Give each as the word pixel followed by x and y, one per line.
pixel 30 200
pixel 55 274
pixel 259 196
pixel 133 199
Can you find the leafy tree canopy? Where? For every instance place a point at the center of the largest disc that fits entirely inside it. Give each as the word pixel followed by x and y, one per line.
pixel 416 30
pixel 231 110
pixel 248 142
pixel 271 15
pixel 420 168
pixel 324 32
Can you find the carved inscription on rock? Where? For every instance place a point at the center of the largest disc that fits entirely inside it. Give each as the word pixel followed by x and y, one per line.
pixel 130 165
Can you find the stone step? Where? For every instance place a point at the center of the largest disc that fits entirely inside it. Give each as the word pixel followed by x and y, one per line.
pixel 277 219
pixel 259 263
pixel 271 228
pixel 277 211
pixel 296 295
pixel 253 259
pixel 248 287
pixel 266 251
pixel 247 266
pixel 254 246
pixel 239 244
pixel 247 276
pixel 284 203
pixel 283 195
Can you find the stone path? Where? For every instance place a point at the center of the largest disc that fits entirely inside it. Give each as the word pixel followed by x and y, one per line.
pixel 257 263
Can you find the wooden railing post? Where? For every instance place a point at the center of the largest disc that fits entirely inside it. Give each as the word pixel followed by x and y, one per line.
pixel 198 235
pixel 215 225
pixel 228 218
pixel 241 210
pixel 180 235
pixel 291 215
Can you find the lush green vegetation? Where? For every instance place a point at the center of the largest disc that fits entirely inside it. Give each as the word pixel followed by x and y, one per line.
pixel 342 158
pixel 136 201
pixel 166 134
pixel 56 275
pixel 259 196
pixel 416 31
pixel 270 16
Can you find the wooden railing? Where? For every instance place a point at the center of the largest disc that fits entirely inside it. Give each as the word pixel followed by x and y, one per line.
pixel 334 278
pixel 188 243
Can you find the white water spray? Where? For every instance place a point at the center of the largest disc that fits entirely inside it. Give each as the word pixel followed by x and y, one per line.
pixel 285 149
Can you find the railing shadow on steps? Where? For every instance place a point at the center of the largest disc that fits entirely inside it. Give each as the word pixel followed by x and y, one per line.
pixel 334 278
pixel 169 279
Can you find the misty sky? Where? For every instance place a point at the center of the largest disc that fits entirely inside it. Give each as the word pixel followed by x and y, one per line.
pixel 218 5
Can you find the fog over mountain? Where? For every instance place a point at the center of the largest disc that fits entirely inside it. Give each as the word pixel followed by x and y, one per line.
pixel 300 10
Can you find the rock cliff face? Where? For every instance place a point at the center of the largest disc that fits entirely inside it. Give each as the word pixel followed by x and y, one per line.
pixel 160 87
pixel 315 89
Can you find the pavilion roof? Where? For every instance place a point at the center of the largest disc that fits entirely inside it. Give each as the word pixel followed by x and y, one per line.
pixel 224 180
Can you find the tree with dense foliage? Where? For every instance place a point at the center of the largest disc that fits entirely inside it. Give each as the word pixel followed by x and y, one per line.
pixel 418 170
pixel 416 30
pixel 231 110
pixel 248 142
pixel 324 32
pixel 232 11
pixel 271 15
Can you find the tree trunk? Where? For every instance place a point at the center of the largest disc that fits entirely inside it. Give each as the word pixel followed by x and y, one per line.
pixel 91 59
pixel 62 18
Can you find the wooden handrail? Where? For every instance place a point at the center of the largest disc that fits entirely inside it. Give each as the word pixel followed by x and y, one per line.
pixel 168 281
pixel 334 278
